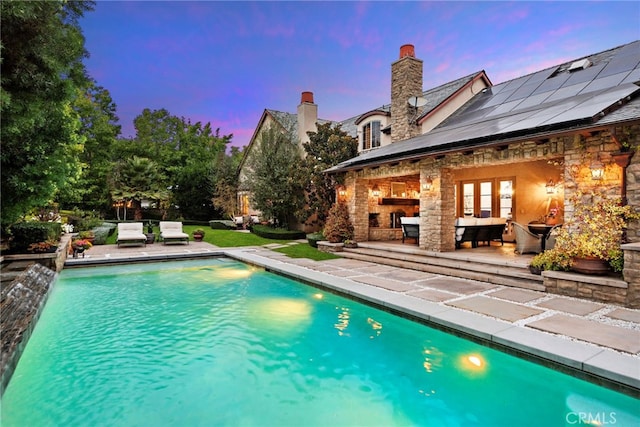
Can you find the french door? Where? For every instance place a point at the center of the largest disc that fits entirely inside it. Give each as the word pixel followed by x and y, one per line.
pixel 485 198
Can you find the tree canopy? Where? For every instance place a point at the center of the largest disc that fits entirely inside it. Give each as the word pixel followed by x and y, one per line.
pixel 327 147
pixel 273 162
pixel 42 50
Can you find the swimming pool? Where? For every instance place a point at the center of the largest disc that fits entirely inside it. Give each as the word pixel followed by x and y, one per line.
pixel 218 342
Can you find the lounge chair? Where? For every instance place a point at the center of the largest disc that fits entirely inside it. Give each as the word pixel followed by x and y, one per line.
pixel 171 231
pixel 130 233
pixel 410 228
pixel 526 241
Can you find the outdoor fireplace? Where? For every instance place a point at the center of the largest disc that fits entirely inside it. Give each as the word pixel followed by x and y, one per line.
pixel 373 220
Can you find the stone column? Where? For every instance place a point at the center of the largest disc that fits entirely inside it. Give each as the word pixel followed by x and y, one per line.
pixel 631 274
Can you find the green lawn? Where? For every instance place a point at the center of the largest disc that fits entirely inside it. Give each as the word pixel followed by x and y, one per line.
pixel 304 250
pixel 231 238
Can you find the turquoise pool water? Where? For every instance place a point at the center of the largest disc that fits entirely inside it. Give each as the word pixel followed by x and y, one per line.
pixel 217 342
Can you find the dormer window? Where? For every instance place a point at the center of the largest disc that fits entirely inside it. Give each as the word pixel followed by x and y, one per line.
pixel 371 135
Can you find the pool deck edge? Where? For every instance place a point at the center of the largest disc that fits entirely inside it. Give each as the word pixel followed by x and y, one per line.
pixel 593 361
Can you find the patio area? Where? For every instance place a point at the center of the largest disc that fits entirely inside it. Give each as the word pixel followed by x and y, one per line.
pixel 589 338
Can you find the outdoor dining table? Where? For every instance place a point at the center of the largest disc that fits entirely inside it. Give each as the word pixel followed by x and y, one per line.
pixel 542 230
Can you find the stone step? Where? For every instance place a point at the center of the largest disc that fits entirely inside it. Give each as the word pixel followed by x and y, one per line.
pixel 485 271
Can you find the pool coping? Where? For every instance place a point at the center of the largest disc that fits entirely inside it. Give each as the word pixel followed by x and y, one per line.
pixel 604 366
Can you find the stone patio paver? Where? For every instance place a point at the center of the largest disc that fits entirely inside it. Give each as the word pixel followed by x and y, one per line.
pixel 432 295
pixel 348 263
pixel 406 275
pixel 587 330
pixel 452 284
pixel 492 307
pixel 624 314
pixel 517 295
pixel 567 305
pixel 374 269
pixel 384 283
pixel 345 273
pixel 325 267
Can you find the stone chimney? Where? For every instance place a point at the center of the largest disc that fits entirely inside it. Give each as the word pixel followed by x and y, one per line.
pixel 307 116
pixel 406 81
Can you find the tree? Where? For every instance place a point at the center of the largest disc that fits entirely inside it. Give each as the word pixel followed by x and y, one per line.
pixel 187 154
pixel 137 179
pixel 98 126
pixel 275 191
pixel 326 148
pixel 42 49
pixel 226 182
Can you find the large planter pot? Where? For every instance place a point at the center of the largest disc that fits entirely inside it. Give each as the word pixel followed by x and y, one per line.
pixel 590 265
pixel 198 237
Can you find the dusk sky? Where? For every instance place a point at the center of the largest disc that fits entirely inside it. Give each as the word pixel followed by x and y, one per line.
pixel 225 62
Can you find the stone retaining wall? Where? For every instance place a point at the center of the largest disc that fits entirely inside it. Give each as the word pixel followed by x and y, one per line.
pixel 595 288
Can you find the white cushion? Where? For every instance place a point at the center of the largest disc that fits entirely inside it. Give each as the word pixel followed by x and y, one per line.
pixel 466 221
pixel 410 220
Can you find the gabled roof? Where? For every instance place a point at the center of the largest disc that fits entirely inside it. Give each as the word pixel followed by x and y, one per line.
pixel 556 99
pixel 437 96
pixel 287 121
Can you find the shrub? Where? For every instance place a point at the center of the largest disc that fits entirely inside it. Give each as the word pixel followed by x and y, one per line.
pixel 100 235
pixel 109 226
pixel 314 238
pixel 276 233
pixel 26 233
pixel 338 227
pixel 551 260
pixel 222 224
pixel 596 229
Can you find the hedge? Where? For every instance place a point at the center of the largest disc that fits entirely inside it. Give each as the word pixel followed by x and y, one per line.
pixel 277 233
pixel 222 224
pixel 26 233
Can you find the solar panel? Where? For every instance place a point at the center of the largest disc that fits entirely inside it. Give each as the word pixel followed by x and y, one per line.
pixel 516 83
pixel 534 100
pixel 524 91
pixel 605 82
pixel 504 108
pixel 633 77
pixel 551 84
pixel 584 75
pixel 567 91
pixel 498 99
pixel 620 64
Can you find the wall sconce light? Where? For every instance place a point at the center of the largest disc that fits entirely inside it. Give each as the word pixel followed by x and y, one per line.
pixel 551 187
pixel 375 191
pixel 342 192
pixel 428 183
pixel 597 170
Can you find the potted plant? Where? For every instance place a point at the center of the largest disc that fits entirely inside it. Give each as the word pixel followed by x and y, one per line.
pixel 151 237
pixel 198 234
pixel 350 243
pixel 591 239
pixel 79 246
pixel 87 235
pixel 314 238
pixel 549 260
pixel 48 246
